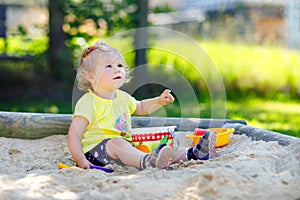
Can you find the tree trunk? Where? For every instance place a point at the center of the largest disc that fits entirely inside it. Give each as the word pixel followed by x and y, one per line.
pixel 141 75
pixel 141 33
pixel 59 55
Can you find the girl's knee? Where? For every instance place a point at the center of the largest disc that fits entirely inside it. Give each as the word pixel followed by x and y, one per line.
pixel 113 146
pixel 117 145
pixel 117 141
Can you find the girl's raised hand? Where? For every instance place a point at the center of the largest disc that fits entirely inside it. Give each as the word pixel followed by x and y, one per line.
pixel 166 97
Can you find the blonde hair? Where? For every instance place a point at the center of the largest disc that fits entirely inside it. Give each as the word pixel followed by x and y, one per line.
pixel 89 56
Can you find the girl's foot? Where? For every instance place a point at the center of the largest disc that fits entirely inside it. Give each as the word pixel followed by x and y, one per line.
pixel 164 156
pixel 159 157
pixel 205 149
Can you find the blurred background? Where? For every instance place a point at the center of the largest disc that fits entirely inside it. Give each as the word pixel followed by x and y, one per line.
pixel 255 45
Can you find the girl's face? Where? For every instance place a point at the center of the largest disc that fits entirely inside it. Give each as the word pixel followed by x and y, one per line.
pixel 109 73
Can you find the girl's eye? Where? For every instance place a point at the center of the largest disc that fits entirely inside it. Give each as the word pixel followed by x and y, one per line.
pixel 108 66
pixel 120 65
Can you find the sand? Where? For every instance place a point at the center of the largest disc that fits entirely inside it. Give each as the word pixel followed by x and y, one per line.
pixel 244 169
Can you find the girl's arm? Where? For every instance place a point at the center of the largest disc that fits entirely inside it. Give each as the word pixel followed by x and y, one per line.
pixel 148 106
pixel 77 128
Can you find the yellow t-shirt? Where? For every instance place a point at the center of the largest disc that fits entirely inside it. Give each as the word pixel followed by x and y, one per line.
pixel 107 118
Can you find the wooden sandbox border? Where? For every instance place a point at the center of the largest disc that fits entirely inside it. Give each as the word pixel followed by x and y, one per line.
pixel 39 125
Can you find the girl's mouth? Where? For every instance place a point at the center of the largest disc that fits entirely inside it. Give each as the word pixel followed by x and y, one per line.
pixel 117 78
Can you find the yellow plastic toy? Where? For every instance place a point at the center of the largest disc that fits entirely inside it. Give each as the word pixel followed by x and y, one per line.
pixel 61 166
pixel 222 135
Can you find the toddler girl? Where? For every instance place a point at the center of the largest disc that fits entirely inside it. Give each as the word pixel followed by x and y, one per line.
pixel 99 133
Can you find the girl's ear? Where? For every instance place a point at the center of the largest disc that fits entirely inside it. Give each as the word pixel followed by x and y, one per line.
pixel 91 77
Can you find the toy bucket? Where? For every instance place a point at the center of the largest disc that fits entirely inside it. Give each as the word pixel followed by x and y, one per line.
pixel 147 139
pixel 222 135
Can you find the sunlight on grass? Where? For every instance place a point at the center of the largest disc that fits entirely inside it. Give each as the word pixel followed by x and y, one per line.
pixel 282 117
pixel 20 46
pixel 266 69
pixel 284 108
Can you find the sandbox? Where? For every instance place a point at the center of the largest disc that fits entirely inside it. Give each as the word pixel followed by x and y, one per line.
pixel 256 164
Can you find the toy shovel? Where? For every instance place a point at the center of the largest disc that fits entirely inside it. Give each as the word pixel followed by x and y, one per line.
pixel 61 165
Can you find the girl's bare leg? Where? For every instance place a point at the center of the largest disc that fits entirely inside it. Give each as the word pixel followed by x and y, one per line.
pixel 119 148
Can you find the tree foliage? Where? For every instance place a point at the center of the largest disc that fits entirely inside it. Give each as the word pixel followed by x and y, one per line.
pixel 91 18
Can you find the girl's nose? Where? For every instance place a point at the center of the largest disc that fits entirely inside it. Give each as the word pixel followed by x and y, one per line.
pixel 117 69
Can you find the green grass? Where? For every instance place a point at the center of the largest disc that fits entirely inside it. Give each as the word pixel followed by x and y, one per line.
pixel 260 71
pixel 21 46
pixel 270 71
pixel 36 106
pixel 277 116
